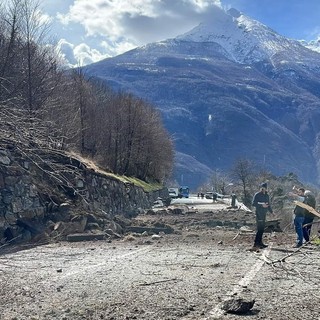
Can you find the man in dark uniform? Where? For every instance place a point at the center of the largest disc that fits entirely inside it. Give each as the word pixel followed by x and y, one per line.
pixel 261 201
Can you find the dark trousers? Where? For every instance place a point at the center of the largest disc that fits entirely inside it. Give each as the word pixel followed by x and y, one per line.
pixel 261 222
pixel 307 230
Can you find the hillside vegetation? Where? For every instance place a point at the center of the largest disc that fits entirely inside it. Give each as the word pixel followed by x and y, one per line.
pixel 43 106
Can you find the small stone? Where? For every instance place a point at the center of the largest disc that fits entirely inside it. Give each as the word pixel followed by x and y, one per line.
pixel 237 305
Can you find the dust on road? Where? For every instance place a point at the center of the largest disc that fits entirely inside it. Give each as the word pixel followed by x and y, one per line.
pixel 185 275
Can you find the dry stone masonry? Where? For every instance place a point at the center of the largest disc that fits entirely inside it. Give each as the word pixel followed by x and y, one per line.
pixel 31 195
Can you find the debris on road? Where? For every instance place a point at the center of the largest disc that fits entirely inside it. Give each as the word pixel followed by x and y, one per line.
pixel 237 305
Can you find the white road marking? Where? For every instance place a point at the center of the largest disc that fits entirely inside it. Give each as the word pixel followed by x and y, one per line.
pixel 217 312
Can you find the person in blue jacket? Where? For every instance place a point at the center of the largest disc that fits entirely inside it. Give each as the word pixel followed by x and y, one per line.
pixel 308 216
pixel 261 202
pixel 299 214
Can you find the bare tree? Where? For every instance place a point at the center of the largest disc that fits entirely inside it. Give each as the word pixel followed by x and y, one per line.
pixel 219 181
pixel 142 146
pixel 28 68
pixel 8 51
pixel 118 130
pixel 243 172
pixel 121 131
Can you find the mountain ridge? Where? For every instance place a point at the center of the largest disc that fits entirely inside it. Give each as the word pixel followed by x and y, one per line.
pixel 219 108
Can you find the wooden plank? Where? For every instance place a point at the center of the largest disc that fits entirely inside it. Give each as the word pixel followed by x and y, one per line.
pixel 305 206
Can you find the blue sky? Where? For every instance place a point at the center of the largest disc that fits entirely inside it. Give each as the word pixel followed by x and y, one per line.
pixel 291 18
pixel 91 30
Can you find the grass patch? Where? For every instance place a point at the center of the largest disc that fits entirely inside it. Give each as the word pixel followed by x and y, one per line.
pixel 147 187
pixel 316 241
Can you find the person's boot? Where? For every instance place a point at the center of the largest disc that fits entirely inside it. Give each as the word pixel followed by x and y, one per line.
pixel 255 248
pixel 260 245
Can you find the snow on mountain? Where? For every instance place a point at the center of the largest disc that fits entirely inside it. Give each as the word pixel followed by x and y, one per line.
pixel 313 45
pixel 222 89
pixel 244 39
pixel 232 35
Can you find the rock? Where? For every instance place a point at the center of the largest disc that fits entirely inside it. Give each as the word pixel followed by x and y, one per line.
pixel 85 237
pixel 92 226
pixel 237 305
pixel 91 218
pixel 150 230
pixel 177 211
pixel 245 229
pixel 4 159
pixel 64 208
pixel 77 225
pixel 129 238
pixel 158 204
pixel 115 227
pixel 161 211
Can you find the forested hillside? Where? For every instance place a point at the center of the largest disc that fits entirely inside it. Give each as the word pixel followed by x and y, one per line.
pixel 43 106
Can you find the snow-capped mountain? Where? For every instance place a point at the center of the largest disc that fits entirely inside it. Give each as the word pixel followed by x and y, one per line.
pixel 229 88
pixel 312 45
pixel 243 39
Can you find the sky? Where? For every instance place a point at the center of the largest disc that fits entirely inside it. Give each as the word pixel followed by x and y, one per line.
pixel 91 30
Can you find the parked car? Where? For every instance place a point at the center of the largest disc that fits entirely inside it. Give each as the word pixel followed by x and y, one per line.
pixel 173 193
pixel 214 195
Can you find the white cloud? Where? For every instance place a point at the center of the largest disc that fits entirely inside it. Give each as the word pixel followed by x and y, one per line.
pixel 86 55
pixel 121 18
pixel 79 55
pixel 65 50
pixel 117 47
pixel 116 26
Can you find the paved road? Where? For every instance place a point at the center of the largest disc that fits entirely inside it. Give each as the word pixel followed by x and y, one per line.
pixel 194 200
pixel 208 204
pixel 176 278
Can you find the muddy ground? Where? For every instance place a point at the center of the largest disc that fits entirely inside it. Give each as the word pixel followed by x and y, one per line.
pixel 188 274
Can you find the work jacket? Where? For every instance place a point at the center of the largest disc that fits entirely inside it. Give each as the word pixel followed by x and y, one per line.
pixel 260 198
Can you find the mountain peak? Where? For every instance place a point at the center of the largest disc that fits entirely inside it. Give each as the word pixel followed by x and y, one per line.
pixel 244 39
pixel 218 104
pixel 234 13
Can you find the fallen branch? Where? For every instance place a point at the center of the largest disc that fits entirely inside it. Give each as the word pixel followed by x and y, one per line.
pixel 236 236
pixel 281 260
pixel 160 281
pixel 311 223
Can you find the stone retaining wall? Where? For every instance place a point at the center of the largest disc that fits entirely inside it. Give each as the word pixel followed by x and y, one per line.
pixel 28 192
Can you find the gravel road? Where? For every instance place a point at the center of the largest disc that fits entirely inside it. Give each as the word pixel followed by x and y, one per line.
pixel 185 275
pixel 179 276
